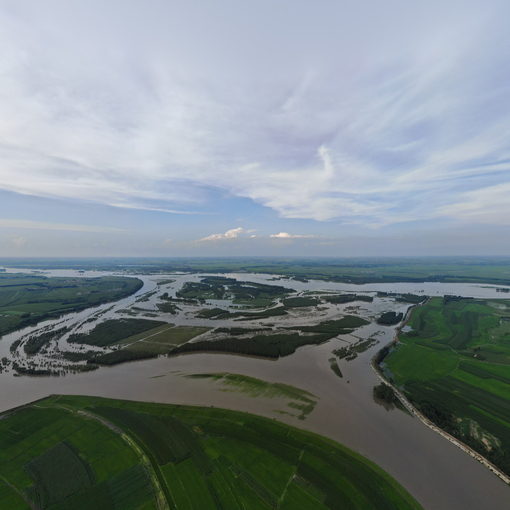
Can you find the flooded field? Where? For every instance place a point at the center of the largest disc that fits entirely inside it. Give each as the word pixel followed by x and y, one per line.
pixel 437 473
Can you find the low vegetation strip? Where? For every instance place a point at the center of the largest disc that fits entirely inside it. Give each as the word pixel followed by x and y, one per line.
pixel 454 366
pixel 27 299
pixel 300 301
pixel 347 298
pixel 220 314
pixel 205 458
pixel 269 346
pixel 299 399
pixel 113 330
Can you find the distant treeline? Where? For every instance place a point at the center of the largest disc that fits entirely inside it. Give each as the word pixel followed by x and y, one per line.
pixel 120 356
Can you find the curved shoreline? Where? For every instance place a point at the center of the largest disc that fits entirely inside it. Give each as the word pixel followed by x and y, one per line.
pixel 415 412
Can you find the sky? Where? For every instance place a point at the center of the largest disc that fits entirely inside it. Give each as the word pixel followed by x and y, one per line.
pixel 287 127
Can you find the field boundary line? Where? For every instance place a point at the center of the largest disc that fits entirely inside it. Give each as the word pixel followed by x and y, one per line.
pixel 20 493
pixel 159 494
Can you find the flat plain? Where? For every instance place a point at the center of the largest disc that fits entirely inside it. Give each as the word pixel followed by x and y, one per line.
pixel 67 452
pixel 29 299
pixel 454 365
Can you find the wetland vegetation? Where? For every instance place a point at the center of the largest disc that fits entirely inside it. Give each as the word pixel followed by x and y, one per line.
pixel 29 299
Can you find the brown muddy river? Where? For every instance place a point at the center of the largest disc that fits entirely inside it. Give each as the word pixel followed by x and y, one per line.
pixel 438 474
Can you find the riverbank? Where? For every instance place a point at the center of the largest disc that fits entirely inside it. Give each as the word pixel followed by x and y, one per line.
pixel 426 421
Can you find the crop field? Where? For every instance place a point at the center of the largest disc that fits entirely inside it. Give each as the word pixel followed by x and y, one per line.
pixel 150 343
pixel 27 299
pixel 53 458
pixel 454 364
pixel 114 330
pixel 163 339
pixel 130 455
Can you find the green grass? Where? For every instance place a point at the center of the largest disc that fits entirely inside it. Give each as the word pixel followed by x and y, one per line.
pixel 10 499
pixel 202 458
pixel 162 339
pixel 113 330
pixel 455 365
pixel 27 299
pixel 300 301
pixel 52 454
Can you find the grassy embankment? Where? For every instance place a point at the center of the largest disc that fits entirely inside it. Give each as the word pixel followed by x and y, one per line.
pixel 89 453
pixel 27 299
pixel 455 367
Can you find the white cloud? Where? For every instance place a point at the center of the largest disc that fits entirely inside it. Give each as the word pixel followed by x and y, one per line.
pixel 394 124
pixel 490 205
pixel 40 225
pixel 233 233
pixel 18 241
pixel 286 235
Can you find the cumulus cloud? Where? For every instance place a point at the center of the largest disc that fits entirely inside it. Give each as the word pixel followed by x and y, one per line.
pixel 286 235
pixel 406 115
pixel 233 233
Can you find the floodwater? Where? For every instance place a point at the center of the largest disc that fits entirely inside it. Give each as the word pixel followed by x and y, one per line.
pixel 438 474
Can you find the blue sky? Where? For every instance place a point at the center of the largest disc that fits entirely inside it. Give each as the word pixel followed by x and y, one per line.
pixel 254 128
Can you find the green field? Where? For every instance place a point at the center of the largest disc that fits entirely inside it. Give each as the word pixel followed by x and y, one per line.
pixel 455 366
pixel 495 270
pixel 68 453
pixel 163 339
pixel 113 330
pixel 149 342
pixel 27 299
